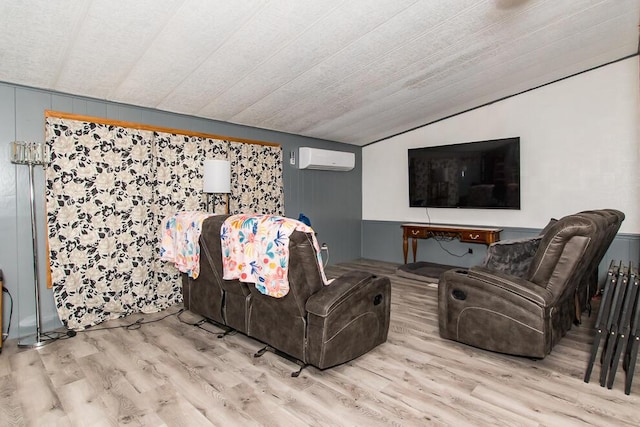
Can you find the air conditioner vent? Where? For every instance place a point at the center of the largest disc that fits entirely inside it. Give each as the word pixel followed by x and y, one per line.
pixel 316 158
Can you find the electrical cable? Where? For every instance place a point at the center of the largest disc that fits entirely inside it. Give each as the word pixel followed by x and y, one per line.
pixel 5 336
pixel 198 323
pixel 202 321
pixel 440 239
pixel 59 336
pixel 135 325
pixel 56 336
pixel 51 336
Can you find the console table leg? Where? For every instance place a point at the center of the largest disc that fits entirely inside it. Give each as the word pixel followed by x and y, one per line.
pixel 405 247
pixel 414 246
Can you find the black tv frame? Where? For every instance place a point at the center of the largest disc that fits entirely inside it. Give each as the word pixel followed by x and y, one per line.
pixel 471 175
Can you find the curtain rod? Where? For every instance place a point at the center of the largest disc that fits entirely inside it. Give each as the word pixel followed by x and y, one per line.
pixel 125 124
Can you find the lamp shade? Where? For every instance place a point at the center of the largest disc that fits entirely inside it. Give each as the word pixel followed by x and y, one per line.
pixel 217 176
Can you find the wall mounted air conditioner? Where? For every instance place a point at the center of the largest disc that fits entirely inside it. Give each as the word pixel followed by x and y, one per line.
pixel 328 160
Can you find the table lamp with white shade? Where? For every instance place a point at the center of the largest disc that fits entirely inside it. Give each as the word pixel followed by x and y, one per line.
pixel 217 180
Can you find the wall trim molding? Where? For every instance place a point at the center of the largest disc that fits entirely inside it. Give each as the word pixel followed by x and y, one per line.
pixel 141 126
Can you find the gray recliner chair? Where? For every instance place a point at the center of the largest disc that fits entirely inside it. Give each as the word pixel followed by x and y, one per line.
pixel 315 324
pixel 525 312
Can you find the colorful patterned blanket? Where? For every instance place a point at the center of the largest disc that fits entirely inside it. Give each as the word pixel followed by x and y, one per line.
pixel 255 249
pixel 179 240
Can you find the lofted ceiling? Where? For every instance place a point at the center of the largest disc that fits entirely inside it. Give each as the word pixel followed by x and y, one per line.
pixel 354 71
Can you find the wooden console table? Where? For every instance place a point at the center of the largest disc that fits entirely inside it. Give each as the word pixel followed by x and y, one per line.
pixel 483 235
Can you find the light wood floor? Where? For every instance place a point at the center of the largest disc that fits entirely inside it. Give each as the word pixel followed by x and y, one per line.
pixel 171 374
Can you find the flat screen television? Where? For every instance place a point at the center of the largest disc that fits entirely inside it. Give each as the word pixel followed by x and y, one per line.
pixel 477 175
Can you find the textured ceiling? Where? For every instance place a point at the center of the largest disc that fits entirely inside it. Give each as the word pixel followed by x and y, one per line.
pixel 354 71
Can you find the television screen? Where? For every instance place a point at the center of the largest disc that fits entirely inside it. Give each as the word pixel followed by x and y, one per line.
pixel 483 174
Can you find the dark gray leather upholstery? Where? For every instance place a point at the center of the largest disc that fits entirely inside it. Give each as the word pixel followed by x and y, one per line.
pixel 610 220
pixel 316 324
pixel 224 301
pixel 527 315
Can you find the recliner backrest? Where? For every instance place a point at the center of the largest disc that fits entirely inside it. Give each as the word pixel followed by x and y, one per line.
pixel 210 278
pixel 563 254
pixel 610 221
pixel 282 322
pixel 210 241
pixel 304 275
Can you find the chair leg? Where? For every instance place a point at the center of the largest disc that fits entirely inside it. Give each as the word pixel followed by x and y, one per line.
pixel 613 323
pixel 592 356
pixel 295 374
pixel 614 363
pixel 631 352
pixel 633 355
pixel 228 331
pixel 262 351
pixel 607 353
pixel 603 315
pixel 300 363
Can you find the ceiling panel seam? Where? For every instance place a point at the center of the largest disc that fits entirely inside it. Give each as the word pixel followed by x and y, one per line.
pixel 499 99
pixel 430 94
pixel 69 47
pixel 380 82
pixel 280 49
pixel 456 83
pixel 204 59
pixel 332 56
pixel 126 75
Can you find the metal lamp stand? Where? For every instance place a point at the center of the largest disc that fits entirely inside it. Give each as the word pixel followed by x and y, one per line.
pixel 34 341
pixel 211 206
pixel 31 154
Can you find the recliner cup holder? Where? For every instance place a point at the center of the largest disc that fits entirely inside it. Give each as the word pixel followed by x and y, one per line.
pixel 458 294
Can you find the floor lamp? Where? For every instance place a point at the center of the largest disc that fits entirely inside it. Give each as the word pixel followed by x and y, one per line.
pixel 32 154
pixel 216 179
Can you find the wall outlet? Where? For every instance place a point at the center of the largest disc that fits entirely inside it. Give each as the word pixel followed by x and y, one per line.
pixel 470 251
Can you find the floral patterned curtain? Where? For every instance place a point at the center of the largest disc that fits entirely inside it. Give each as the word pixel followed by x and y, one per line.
pixel 256 179
pixel 179 161
pixel 108 189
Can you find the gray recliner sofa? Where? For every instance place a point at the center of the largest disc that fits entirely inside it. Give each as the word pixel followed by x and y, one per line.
pixel 315 324
pixel 526 311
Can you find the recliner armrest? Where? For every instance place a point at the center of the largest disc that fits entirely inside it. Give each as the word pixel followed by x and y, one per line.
pixel 512 284
pixel 495 311
pixel 323 302
pixel 347 318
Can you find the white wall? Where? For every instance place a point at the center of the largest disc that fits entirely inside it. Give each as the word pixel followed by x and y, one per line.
pixel 579 149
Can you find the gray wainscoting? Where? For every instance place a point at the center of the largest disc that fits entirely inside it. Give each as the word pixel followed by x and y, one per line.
pixel 382 240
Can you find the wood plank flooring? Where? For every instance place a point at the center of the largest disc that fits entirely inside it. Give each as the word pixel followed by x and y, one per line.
pixel 169 373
